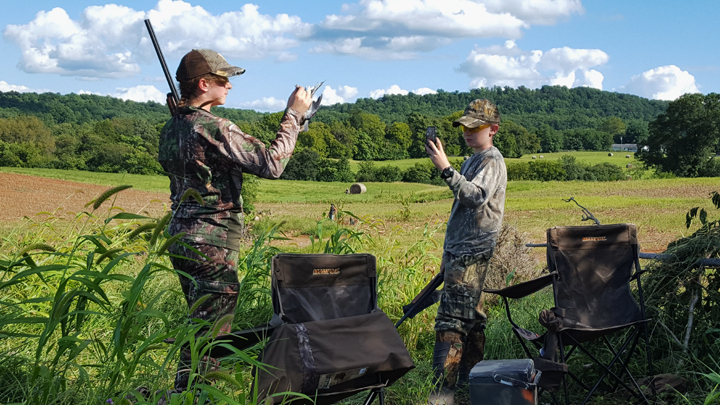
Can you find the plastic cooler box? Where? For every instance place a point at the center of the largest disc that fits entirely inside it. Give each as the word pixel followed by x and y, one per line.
pixel 504 382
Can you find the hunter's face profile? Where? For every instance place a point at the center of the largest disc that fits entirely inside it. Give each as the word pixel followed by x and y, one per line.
pixel 204 77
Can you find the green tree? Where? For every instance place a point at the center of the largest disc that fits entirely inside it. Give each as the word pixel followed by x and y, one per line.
pixel 636 132
pixel 399 139
pixel 550 139
pixel 686 137
pixel 615 127
pixel 418 124
pixel 303 165
pixel 371 134
pixel 27 130
pixel 342 144
pixel 506 139
pixel 314 138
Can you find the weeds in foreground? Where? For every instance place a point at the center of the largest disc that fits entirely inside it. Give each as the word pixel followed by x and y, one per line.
pixel 85 313
pixel 85 317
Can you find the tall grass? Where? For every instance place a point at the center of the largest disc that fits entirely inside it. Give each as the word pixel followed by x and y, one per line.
pixel 87 305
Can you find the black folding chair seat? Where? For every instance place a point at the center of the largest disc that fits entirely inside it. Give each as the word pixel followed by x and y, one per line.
pixel 591 268
pixel 332 340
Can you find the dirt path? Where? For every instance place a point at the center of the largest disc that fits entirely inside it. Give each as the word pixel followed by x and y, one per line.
pixel 28 195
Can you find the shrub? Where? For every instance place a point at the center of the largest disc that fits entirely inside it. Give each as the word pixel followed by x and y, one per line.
pixel 335 170
pixel 420 173
pixel 519 171
pixel 546 170
pixel 366 171
pixel 606 172
pixel 388 174
pixel 302 166
pixel 575 170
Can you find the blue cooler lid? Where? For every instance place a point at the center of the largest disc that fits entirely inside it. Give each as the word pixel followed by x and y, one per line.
pixel 518 369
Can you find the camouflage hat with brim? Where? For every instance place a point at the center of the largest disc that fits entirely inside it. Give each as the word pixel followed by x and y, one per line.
pixel 480 111
pixel 202 61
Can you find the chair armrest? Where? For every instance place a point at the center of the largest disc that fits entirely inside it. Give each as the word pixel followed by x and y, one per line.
pixel 526 288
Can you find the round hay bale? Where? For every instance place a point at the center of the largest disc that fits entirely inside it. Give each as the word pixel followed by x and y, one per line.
pixel 534 157
pixel 358 188
pixel 627 156
pixel 610 154
pixel 629 165
pixel 542 157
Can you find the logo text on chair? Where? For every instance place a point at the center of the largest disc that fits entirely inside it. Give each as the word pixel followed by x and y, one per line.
pixel 326 271
pixel 594 239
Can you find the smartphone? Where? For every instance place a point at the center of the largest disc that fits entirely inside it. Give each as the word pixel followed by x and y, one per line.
pixel 431 135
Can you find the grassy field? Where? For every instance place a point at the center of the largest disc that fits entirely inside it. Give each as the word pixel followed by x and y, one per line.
pixel 657 206
pixel 113 341
pixel 618 158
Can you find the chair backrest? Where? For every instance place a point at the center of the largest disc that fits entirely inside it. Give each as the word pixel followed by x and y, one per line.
pixel 314 287
pixel 595 265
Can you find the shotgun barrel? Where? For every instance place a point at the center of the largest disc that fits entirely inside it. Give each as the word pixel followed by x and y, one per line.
pixel 173 98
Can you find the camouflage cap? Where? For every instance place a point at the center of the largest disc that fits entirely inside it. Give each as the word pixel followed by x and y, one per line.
pixel 480 111
pixel 201 61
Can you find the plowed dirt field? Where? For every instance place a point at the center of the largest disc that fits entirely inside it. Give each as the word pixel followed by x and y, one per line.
pixel 22 196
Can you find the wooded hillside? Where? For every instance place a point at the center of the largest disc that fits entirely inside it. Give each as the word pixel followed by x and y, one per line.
pixel 101 133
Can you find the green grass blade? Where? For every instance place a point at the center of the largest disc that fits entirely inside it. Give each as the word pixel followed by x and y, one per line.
pixel 107 194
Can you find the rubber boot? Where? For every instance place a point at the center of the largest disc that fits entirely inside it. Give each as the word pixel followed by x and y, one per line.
pixel 473 352
pixel 446 361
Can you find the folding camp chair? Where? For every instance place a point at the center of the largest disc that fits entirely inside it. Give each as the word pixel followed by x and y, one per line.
pixel 333 341
pixel 590 269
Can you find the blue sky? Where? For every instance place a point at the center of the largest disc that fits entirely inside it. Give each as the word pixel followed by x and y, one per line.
pixel 365 48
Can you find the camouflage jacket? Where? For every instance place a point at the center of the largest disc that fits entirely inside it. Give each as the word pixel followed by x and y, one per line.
pixel 477 211
pixel 209 154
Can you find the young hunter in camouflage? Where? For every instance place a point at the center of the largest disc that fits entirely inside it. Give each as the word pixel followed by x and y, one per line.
pixel 207 154
pixel 475 221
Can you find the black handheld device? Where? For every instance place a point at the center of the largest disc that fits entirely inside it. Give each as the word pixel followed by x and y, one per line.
pixel 431 135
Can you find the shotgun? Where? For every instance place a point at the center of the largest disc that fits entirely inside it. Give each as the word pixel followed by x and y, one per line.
pixel 173 98
pixel 428 296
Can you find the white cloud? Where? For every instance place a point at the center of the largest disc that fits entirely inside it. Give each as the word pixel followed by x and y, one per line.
pixel 141 93
pixel 266 104
pixel 662 83
pixel 383 48
pixel 5 86
pixel 423 91
pixel 399 29
pixel 545 12
pixel 592 78
pixel 343 94
pixel 568 59
pixel 286 57
pixel 394 89
pixel 447 18
pixel 110 40
pixel 508 65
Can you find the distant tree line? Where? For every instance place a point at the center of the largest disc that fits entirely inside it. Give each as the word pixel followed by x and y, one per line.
pixel 89 132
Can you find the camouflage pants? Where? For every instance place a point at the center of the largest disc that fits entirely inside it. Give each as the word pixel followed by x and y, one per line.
pixel 216 277
pixel 460 307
